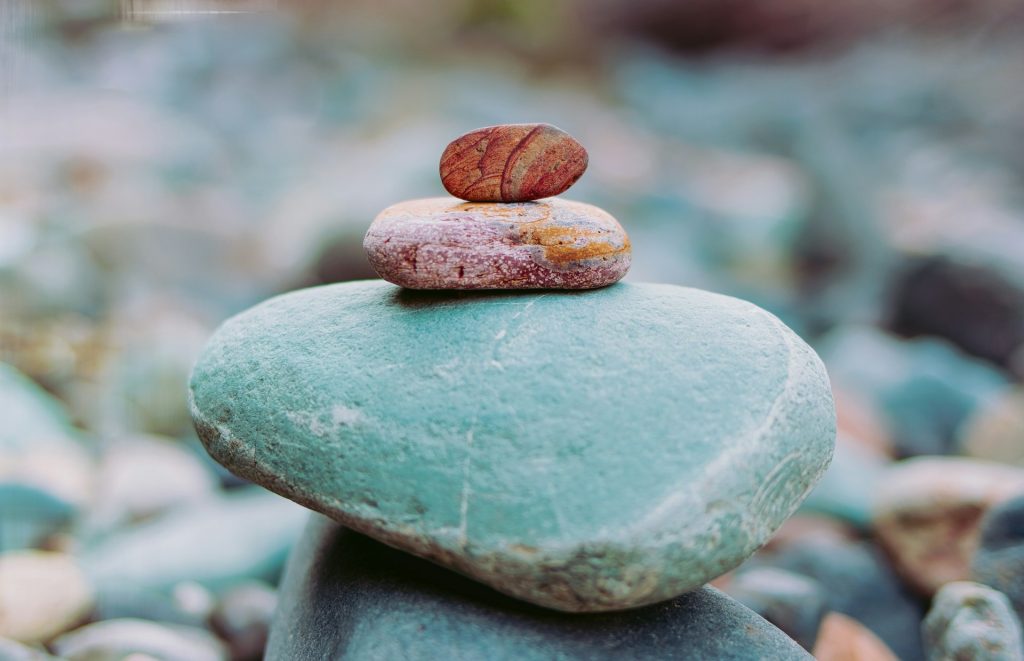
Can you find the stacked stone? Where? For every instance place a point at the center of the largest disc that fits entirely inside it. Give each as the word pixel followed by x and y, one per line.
pixel 495 236
pixel 586 461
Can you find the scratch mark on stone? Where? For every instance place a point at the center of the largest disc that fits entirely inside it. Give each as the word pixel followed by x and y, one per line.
pixel 553 498
pixel 466 491
pixel 503 333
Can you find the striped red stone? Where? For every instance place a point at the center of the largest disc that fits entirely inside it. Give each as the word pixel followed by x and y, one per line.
pixel 444 243
pixel 512 163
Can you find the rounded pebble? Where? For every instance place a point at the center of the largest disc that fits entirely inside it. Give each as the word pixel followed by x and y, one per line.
pixel 141 476
pixel 512 163
pixel 41 595
pixel 972 621
pixel 442 243
pixel 120 638
pixel 927 512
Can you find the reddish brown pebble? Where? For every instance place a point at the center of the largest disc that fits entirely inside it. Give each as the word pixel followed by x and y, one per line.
pixel 842 638
pixel 444 243
pixel 512 163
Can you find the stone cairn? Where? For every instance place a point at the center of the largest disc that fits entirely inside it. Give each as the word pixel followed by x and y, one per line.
pixel 516 473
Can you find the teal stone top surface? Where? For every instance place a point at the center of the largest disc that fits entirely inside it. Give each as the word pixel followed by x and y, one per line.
pixel 584 451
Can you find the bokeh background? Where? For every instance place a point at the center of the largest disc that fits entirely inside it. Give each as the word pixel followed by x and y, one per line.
pixel 855 167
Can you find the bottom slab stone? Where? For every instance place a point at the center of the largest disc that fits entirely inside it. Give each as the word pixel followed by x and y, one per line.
pixel 345 596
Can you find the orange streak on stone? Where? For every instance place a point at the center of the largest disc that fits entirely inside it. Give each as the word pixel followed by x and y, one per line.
pixel 563 245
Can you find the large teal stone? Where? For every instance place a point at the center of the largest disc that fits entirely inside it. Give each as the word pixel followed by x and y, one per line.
pixel 585 451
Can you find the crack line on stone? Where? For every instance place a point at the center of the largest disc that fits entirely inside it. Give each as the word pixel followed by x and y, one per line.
pixel 466 491
pixel 503 333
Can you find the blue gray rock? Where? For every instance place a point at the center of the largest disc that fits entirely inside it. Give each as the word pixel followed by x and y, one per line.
pixel 45 469
pixel 999 559
pixel 345 596
pixel 925 388
pixel 972 302
pixel 216 543
pixel 472 429
pixel 32 417
pixel 30 514
pixel 995 431
pixel 972 621
pixel 928 512
pixel 794 603
pixel 858 582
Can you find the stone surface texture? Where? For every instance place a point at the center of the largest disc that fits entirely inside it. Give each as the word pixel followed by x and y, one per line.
pixel 927 512
pixel 473 429
pixel 794 603
pixel 512 163
pixel 345 596
pixel 214 543
pixel 972 621
pixel 443 243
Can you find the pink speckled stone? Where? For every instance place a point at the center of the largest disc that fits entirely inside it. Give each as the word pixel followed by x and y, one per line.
pixel 445 243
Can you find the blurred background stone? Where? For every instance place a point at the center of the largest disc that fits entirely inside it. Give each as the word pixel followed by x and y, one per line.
pixel 999 560
pixel 858 582
pixel 41 595
pixel 14 651
pixel 928 511
pixel 119 638
pixel 844 639
pixel 855 169
pixel 995 431
pixel 847 490
pixel 139 477
pixel 971 621
pixel 925 389
pixel 242 617
pixel 216 544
